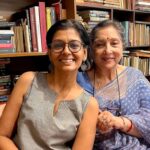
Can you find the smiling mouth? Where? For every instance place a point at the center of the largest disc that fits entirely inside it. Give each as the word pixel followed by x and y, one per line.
pixel 67 60
pixel 108 59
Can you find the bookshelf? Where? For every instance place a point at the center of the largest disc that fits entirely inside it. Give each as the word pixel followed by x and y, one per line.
pixel 38 61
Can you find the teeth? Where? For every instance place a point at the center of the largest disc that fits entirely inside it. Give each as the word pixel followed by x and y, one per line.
pixel 67 60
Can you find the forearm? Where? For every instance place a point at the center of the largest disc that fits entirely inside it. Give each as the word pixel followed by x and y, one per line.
pixel 7 144
pixel 128 127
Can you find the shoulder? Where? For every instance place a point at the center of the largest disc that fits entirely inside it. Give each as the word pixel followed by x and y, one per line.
pixel 26 78
pixel 132 72
pixel 93 104
pixel 84 81
pixel 81 76
pixel 24 81
pixel 135 74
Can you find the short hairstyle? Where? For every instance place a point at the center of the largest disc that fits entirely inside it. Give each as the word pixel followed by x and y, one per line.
pixel 66 24
pixel 106 23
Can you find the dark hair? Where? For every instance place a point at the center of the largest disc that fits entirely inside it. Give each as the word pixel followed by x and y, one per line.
pixel 65 24
pixel 106 23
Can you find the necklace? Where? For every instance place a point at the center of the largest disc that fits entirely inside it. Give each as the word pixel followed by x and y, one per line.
pixel 118 110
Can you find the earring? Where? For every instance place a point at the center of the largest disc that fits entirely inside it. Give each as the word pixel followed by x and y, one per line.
pixel 85 65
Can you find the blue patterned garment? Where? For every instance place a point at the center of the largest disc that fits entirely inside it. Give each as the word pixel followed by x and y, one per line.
pixel 134 104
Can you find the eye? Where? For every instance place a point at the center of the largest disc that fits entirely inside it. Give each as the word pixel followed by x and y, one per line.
pixel 99 45
pixel 115 43
pixel 74 44
pixel 57 45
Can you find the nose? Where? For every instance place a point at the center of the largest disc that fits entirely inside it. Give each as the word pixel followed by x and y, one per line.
pixel 66 48
pixel 108 48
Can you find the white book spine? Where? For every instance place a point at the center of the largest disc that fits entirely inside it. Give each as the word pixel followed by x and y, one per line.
pixel 28 39
pixel 38 30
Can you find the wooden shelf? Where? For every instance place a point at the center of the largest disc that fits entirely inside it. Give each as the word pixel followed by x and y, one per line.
pixel 9 7
pixel 140 54
pixel 25 54
pixel 89 5
pixel 137 47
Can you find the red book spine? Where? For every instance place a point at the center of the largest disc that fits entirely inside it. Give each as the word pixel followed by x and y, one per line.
pixel 9 45
pixel 33 30
pixel 42 13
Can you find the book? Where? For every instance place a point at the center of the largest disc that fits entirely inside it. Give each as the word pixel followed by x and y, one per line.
pixel 33 29
pixel 5 41
pixel 48 18
pixel 6 32
pixel 5 24
pixel 58 9
pixel 26 36
pixel 8 45
pixel 38 29
pixel 19 41
pixel 42 14
pixel 10 50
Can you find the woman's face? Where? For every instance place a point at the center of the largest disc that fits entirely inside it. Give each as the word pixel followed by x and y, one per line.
pixel 107 48
pixel 67 52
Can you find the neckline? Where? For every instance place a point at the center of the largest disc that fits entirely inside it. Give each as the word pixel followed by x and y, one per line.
pixel 51 91
pixel 111 82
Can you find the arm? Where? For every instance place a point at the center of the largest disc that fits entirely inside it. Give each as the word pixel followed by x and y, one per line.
pixel 139 115
pixel 107 121
pixel 11 112
pixel 87 129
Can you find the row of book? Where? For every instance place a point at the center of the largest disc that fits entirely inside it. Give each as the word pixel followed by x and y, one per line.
pixel 143 5
pixel 124 4
pixel 136 34
pixel 92 17
pixel 5 80
pixel 28 32
pixel 136 60
pixel 6 42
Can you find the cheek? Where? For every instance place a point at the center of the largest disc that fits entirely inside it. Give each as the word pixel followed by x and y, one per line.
pixel 118 53
pixel 98 53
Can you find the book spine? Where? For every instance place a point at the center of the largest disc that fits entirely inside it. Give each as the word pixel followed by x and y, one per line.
pixel 33 29
pixel 38 30
pixel 5 41
pixel 48 18
pixel 58 9
pixel 42 13
pixel 29 30
pixel 6 32
pixel 7 51
pixel 10 45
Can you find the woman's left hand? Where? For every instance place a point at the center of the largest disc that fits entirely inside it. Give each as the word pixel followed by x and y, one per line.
pixel 107 121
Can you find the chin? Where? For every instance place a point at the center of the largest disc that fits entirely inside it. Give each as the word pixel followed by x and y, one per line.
pixel 109 66
pixel 69 68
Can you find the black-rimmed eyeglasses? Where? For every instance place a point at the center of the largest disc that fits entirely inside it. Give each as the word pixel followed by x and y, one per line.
pixel 58 46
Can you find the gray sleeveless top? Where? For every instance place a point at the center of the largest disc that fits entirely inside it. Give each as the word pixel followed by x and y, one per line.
pixel 38 128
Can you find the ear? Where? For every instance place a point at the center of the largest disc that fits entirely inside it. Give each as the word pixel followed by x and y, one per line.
pixel 85 54
pixel 49 54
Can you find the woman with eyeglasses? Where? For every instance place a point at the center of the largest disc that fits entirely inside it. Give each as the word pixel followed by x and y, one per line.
pixel 50 111
pixel 123 93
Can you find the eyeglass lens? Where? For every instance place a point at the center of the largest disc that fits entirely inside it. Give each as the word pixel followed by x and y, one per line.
pixel 58 46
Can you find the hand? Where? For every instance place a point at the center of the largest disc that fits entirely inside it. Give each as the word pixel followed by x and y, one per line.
pixel 106 121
